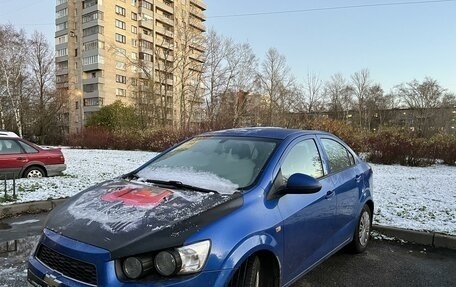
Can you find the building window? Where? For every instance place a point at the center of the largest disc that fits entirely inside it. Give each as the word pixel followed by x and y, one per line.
pixel 121 92
pixel 134 55
pixel 61 52
pixel 62 65
pixel 61 26
pixel 133 2
pixel 146 5
pixel 92 45
pixel 120 65
pixel 90 88
pixel 93 16
pixel 92 31
pixel 60 2
pixel 121 38
pixel 61 79
pixel 134 29
pixel 146 17
pixel 89 3
pixel 146 44
pixel 121 79
pixel 62 39
pixel 145 57
pixel 134 42
pixel 134 16
pixel 96 59
pixel 61 13
pixel 93 102
pixel 120 10
pixel 120 51
pixel 120 24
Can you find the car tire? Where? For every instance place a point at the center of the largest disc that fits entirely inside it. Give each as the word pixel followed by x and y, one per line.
pixel 34 172
pixel 248 275
pixel 361 236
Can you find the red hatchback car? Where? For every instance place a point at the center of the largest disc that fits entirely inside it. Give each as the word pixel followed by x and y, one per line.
pixel 21 158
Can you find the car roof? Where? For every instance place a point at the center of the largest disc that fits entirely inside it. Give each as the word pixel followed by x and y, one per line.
pixel 9 134
pixel 263 132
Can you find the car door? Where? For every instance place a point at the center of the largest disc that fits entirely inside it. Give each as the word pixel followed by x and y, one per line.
pixel 347 181
pixel 12 158
pixel 307 218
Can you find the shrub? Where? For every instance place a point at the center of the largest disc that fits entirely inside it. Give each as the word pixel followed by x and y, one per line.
pixel 443 147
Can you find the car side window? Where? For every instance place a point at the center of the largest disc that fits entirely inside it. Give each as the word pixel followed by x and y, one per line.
pixel 303 158
pixel 9 147
pixel 28 148
pixel 339 157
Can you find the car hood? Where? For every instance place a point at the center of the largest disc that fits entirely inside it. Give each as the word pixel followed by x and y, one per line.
pixel 129 218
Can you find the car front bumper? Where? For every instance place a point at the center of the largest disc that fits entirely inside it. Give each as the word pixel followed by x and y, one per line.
pixel 40 274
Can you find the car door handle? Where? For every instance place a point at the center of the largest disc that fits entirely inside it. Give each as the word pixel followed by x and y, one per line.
pixel 330 194
pixel 358 178
pixel 21 158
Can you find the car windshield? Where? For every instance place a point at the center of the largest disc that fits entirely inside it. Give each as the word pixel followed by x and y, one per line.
pixel 223 164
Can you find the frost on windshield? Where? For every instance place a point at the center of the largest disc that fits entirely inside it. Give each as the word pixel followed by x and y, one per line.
pixel 191 177
pixel 120 207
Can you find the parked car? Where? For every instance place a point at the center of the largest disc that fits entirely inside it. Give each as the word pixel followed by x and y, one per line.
pixel 241 207
pixel 21 158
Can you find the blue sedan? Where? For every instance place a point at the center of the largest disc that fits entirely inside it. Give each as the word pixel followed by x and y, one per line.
pixel 241 207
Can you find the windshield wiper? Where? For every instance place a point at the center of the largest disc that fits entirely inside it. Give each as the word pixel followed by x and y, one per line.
pixel 180 185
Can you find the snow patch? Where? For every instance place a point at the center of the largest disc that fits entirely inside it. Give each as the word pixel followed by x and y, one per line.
pixel 191 177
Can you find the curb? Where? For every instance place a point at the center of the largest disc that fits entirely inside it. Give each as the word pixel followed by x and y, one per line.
pixel 29 207
pixel 434 239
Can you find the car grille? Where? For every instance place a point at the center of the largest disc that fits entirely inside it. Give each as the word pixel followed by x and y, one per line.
pixel 69 267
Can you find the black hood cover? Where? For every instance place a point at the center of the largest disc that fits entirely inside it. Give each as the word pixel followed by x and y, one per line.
pixel 129 218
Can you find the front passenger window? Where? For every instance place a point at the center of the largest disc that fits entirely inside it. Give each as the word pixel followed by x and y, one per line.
pixel 303 158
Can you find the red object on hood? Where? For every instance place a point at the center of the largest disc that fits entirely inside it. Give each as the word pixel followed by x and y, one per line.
pixel 132 196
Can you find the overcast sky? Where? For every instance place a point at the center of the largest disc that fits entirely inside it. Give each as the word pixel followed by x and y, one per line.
pixel 397 43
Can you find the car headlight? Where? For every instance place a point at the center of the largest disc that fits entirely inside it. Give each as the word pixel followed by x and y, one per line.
pixel 136 267
pixel 183 260
pixel 194 256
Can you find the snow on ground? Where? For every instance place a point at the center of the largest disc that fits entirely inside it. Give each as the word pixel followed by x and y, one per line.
pixel 406 197
pixel 418 198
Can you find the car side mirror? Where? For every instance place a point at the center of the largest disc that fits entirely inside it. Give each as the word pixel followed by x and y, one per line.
pixel 300 183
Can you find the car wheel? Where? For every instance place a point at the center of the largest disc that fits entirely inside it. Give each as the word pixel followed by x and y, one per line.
pixel 362 231
pixel 248 274
pixel 34 171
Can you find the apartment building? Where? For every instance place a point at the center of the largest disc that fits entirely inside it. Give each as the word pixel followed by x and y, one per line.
pixel 144 53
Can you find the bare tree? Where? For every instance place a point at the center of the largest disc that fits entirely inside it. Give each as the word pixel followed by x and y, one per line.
pixel 275 81
pixel 13 61
pixel 339 96
pixel 422 97
pixel 312 93
pixel 229 74
pixel 361 84
pixel 47 105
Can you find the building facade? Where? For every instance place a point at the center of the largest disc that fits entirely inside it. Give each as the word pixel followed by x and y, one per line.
pixel 145 53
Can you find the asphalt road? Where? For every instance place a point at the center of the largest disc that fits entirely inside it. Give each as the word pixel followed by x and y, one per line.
pixel 385 263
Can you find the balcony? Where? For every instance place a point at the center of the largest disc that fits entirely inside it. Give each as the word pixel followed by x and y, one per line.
pixel 162 30
pixel 147 23
pixel 199 3
pixel 96 80
pixel 145 37
pixel 165 7
pixel 198 25
pixel 198 14
pixel 164 19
